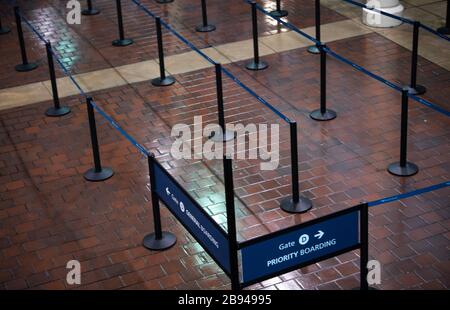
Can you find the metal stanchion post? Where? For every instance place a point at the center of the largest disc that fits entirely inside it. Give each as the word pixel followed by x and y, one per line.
pixel 229 135
pixel 205 27
pixel 413 88
pixel 98 173
pixel 158 240
pixel 256 64
pixel 279 12
pixel 323 114
pixel 403 168
pixel 162 80
pixel 3 30
pixel 446 28
pixel 314 49
pixel 90 9
pixel 57 109
pixel 364 240
pixel 25 66
pixel 296 203
pixel 231 223
pixel 121 41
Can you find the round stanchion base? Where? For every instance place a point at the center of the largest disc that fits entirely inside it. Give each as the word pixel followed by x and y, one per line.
pixel 443 30
pixel 207 28
pixel 5 30
pixel 229 135
pixel 317 115
pixel 164 1
pixel 408 170
pixel 163 82
pixel 26 67
pixel 313 49
pixel 167 241
pixel 418 90
pixel 257 65
pixel 303 205
pixel 88 12
pixel 124 42
pixel 94 176
pixel 54 112
pixel 279 14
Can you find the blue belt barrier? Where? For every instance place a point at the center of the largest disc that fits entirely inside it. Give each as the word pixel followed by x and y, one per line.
pixel 409 194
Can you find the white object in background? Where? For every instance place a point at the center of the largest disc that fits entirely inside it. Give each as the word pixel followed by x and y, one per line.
pixel 375 19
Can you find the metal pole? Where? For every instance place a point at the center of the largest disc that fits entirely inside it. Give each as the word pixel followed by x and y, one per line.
pixel 256 64
pixel 3 30
pixel 97 173
pixel 56 110
pixel 224 135
pixel 403 168
pixel 231 223
pixel 296 203
pixel 158 240
pixel 314 49
pixel 414 88
pixel 25 66
pixel 121 41
pixel 279 12
pixel 163 80
pixel 323 114
pixel 364 240
pixel 90 9
pixel 446 28
pixel 205 27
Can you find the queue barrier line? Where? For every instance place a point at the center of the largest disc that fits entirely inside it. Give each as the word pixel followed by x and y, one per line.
pixel 228 73
pixel 358 67
pixel 403 19
pixel 409 194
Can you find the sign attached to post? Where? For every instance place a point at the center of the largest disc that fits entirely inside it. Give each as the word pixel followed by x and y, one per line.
pixel 294 247
pixel 207 232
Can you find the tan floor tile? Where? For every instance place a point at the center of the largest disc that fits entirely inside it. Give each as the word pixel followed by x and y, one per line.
pixel 418 2
pixel 216 55
pixel 437 8
pixel 139 72
pixel 101 79
pixel 285 41
pixel 66 87
pixel 237 51
pixel 23 95
pixel 423 16
pixel 186 62
pixel 339 30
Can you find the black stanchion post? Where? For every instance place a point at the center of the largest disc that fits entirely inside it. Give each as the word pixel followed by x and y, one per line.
pixel 278 12
pixel 205 27
pixel 296 203
pixel 25 66
pixel 314 49
pixel 403 168
pixel 364 240
pixel 57 109
pixel 98 173
pixel 415 89
pixel 158 240
pixel 224 135
pixel 164 1
pixel 3 30
pixel 446 28
pixel 231 223
pixel 323 114
pixel 256 64
pixel 90 10
pixel 162 80
pixel 121 41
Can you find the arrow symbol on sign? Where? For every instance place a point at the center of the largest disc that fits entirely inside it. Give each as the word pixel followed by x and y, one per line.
pixel 319 234
pixel 167 191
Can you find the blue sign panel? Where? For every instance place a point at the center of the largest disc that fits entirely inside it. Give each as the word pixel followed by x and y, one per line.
pixel 299 246
pixel 190 214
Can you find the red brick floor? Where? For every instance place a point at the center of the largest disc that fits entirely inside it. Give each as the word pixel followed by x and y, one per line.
pixel 50 215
